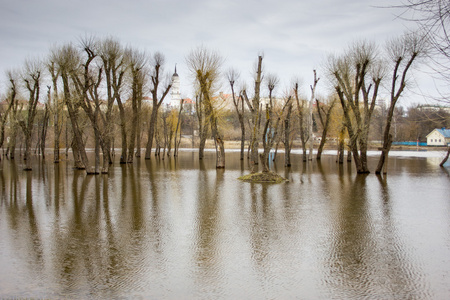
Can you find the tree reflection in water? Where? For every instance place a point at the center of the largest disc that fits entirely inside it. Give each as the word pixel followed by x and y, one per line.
pixel 179 228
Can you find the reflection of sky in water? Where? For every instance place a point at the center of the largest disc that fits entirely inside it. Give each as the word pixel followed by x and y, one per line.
pixel 180 229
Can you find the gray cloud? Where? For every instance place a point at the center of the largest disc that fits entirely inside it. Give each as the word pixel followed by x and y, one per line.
pixel 295 36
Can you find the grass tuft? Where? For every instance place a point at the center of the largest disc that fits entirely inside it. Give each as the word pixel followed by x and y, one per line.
pixel 263 177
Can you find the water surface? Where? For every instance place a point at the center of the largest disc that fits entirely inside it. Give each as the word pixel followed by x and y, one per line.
pixel 180 229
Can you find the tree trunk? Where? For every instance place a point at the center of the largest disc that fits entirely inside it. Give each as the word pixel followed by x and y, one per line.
pixel 220 153
pixel 255 110
pixel 445 158
pixel 287 142
pixel 310 116
pixel 384 154
pixel 27 157
pixel 123 131
pixel 133 132
pixel 387 139
pixel 44 130
pixel 325 125
pixel 341 146
pixel 151 131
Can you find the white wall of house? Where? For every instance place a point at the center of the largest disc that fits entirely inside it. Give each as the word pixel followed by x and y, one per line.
pixel 435 138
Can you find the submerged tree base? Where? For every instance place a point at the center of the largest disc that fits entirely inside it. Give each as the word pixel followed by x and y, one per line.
pixel 263 177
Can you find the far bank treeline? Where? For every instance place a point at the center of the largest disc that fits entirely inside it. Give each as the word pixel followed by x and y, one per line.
pixel 103 95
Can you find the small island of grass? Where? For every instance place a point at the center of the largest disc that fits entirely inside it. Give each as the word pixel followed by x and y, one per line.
pixel 263 177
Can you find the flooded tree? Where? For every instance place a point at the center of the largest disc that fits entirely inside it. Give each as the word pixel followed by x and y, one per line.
pixel 158 95
pixel 203 129
pixel 433 16
pixel 302 116
pixel 32 80
pixel 310 115
pixel 16 109
pixel 177 139
pixel 10 100
pixel 324 112
pixel 357 75
pixel 136 62
pixel 67 60
pixel 288 133
pixel 110 52
pixel 270 131
pixel 402 52
pixel 56 109
pixel 238 102
pixel 255 109
pixel 205 65
pixel 87 82
pixel 44 124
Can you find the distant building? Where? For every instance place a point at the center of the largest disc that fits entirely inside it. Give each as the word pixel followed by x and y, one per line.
pixel 439 137
pixel 175 94
pixel 434 107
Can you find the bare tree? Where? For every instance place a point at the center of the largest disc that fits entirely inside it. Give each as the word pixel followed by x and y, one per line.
pixel 302 119
pixel 205 65
pixel 45 120
pixel 255 109
pixel 32 79
pixel 114 67
pixel 310 115
pixel 56 109
pixel 324 112
pixel 433 18
pixel 270 131
pixel 238 102
pixel 136 62
pixel 157 64
pixel 68 61
pixel 177 141
pixel 203 129
pixel 288 135
pixel 357 74
pixel 11 99
pixel 16 109
pixel 402 52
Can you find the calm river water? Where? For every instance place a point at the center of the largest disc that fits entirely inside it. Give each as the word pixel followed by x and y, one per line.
pixel 180 229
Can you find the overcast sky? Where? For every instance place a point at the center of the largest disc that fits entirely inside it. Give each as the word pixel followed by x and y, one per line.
pixel 295 36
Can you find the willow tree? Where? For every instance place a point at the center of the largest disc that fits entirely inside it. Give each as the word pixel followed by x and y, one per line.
pixel 270 131
pixel 114 67
pixel 87 83
pixel 310 115
pixel 255 109
pixel 15 111
pixel 10 100
pixel 204 65
pixel 136 62
pixel 56 108
pixel 324 111
pixel 302 119
pixel 357 75
pixel 203 128
pixel 288 137
pixel 238 102
pixel 159 91
pixel 433 16
pixel 117 76
pixel 32 80
pixel 402 52
pixel 68 62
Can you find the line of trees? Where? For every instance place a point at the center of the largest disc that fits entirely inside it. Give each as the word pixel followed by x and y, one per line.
pixel 96 90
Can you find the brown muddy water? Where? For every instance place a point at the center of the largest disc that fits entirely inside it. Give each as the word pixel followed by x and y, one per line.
pixel 180 229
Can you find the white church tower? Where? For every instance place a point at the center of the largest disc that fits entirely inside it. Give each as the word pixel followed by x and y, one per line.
pixel 175 92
